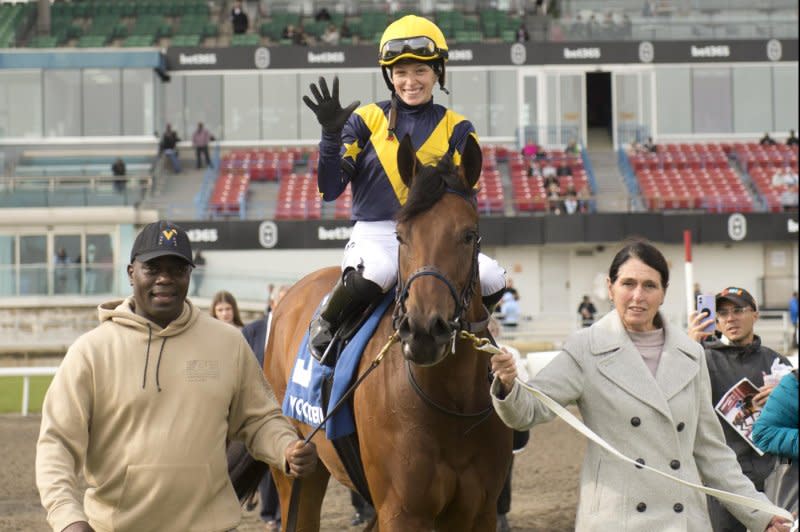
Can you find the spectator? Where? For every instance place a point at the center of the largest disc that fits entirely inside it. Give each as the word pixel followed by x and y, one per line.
pixel 322 15
pixel 766 140
pixel 509 309
pixel 650 146
pixel 118 170
pixel 584 198
pixel 776 432
pixel 572 148
pixel 649 8
pixel 571 203
pixel 792 140
pixel 793 316
pixel 530 150
pixel 200 140
pixel 61 266
pixel 732 353
pixel 157 428
pixel 784 177
pixel 522 34
pixel 169 147
pixel 587 311
pixel 239 19
pixel 533 168
pixel 255 333
pixel 564 168
pixel 224 308
pixel 640 384
pixel 199 272
pixel 288 32
pixel 345 32
pixel 299 37
pixel 331 35
pixel 520 438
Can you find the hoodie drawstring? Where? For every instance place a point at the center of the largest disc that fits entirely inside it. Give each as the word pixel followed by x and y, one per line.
pixel 147 358
pixel 158 364
pixel 147 354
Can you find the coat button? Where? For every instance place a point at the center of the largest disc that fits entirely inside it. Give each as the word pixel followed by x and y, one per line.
pixel 675 464
pixel 635 421
pixel 639 461
pixel 681 426
pixel 641 507
pixel 678 507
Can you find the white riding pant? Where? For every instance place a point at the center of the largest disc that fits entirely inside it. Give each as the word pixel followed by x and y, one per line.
pixel 374 245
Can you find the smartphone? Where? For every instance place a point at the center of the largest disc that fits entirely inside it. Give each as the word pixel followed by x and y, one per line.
pixel 707 306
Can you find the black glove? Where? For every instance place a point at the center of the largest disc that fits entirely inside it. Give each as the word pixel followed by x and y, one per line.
pixel 329 111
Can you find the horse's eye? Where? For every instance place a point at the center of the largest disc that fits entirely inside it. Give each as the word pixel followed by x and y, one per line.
pixel 399 238
pixel 469 237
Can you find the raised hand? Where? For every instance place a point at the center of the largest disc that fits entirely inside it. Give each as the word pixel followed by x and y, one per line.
pixel 326 106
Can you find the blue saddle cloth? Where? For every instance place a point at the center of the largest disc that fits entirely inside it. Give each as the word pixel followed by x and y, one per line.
pixel 303 400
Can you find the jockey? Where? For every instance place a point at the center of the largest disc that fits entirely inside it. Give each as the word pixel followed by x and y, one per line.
pixel 359 146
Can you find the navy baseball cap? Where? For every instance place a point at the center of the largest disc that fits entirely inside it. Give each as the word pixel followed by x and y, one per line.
pixel 161 238
pixel 740 296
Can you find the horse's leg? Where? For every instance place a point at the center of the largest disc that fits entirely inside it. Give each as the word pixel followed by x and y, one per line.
pixel 312 492
pixel 392 516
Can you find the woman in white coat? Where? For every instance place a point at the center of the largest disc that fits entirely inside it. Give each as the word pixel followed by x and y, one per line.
pixel 643 386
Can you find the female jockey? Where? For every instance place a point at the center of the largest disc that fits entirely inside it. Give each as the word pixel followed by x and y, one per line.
pixel 361 148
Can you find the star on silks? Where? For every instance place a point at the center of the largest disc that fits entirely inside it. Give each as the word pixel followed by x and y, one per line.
pixel 351 150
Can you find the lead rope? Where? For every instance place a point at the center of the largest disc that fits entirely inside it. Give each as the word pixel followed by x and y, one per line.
pixel 483 344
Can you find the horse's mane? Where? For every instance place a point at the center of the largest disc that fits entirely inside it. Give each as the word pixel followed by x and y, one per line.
pixel 429 185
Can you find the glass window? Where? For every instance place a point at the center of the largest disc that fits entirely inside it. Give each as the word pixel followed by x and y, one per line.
pixel 203 104
pixel 20 104
pixel 33 264
pixel 280 105
pixel 647 100
pixel 470 96
pixel 307 122
pixel 137 102
pixel 173 105
pixel 102 102
pixel 502 101
pixel 673 91
pixel 711 100
pixel 785 100
pixel 62 103
pixel 530 105
pixel 8 271
pixel 571 88
pixel 67 264
pixel 752 99
pixel 99 264
pixel 242 105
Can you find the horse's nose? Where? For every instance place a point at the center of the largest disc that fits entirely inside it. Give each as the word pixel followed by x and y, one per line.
pixel 439 328
pixel 433 326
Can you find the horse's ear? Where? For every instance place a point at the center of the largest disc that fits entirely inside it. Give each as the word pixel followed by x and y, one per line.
pixel 407 162
pixel 471 160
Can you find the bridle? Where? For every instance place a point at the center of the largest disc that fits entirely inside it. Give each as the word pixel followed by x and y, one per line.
pixel 462 300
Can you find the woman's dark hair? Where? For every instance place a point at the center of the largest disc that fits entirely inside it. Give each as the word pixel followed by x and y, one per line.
pixel 645 252
pixel 223 296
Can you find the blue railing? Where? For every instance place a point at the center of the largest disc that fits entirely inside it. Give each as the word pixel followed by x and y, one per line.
pixel 587 165
pixel 203 196
pixel 630 180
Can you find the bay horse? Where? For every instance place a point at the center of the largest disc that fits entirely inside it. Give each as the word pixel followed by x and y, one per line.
pixel 435 454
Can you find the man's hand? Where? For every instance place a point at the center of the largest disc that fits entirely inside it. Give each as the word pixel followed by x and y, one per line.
pixel 329 111
pixel 505 369
pixel 79 526
pixel 760 399
pixel 698 322
pixel 301 458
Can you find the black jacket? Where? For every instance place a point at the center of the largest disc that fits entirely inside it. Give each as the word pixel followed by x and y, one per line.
pixel 727 365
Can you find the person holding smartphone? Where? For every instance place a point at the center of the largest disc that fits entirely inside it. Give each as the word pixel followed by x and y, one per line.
pixel 734 351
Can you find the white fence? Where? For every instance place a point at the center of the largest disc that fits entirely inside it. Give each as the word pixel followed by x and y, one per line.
pixel 26 374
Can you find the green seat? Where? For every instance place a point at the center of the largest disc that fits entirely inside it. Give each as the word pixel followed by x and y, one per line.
pixel 186 40
pixel 245 39
pixel 92 41
pixel 139 41
pixel 44 41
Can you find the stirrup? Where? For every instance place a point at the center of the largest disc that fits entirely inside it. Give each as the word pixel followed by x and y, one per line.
pixel 318 345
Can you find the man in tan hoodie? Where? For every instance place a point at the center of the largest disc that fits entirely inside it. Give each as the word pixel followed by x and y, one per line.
pixel 144 404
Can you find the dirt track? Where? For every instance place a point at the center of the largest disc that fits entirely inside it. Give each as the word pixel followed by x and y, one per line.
pixel 544 483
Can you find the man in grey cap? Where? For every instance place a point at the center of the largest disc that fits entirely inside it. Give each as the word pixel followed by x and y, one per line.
pixel 734 351
pixel 145 402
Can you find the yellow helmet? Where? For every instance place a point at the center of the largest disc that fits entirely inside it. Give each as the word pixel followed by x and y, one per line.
pixel 412 37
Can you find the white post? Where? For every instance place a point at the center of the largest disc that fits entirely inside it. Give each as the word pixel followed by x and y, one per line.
pixel 26 388
pixel 689 273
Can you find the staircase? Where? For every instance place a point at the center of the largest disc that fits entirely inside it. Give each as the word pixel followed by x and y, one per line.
pixel 611 194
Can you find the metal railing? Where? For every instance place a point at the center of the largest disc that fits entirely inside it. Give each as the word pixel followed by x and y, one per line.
pixel 26 373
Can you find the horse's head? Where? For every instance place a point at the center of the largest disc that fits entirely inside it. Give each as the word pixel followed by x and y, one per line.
pixel 437 229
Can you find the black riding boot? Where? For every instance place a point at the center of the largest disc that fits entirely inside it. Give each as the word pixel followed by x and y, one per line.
pixel 351 295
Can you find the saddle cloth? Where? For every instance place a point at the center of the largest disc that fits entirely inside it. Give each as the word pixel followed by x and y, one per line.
pixel 303 400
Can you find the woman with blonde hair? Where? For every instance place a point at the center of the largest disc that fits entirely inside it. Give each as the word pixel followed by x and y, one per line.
pixel 224 308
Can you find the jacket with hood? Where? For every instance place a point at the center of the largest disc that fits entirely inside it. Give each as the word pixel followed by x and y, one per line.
pixel 727 365
pixel 145 412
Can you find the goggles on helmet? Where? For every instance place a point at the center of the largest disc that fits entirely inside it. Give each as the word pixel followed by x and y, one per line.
pixel 420 47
